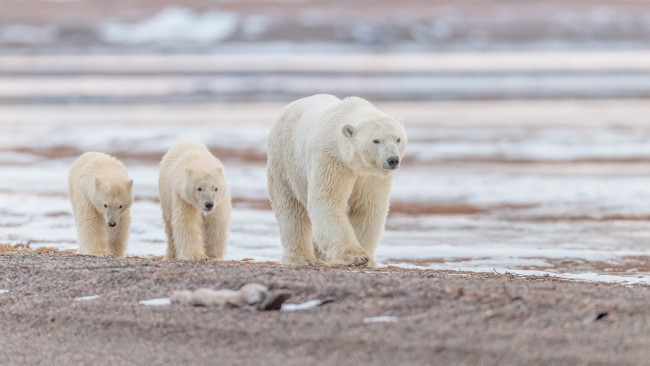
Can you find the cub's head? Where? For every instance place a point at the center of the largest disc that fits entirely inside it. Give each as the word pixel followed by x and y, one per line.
pixel 112 199
pixel 373 145
pixel 204 189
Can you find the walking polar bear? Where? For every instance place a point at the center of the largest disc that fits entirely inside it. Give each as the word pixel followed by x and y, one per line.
pixel 330 169
pixel 195 202
pixel 101 194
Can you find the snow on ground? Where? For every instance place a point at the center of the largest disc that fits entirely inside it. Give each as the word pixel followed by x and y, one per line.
pixel 539 187
pixel 160 301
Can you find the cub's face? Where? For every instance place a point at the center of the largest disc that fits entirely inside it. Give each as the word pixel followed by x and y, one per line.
pixel 112 200
pixel 378 145
pixel 204 190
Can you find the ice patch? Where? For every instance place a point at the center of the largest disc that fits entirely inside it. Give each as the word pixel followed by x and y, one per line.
pixel 380 319
pixel 161 301
pixel 28 34
pixel 86 298
pixel 307 305
pixel 173 26
pixel 3 291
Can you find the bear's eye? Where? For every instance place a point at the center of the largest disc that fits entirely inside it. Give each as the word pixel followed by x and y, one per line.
pixel 105 205
pixel 199 189
pixel 398 140
pixel 375 141
pixel 216 189
pixel 120 206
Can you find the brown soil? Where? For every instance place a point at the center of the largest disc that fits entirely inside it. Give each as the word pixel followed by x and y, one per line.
pixel 442 317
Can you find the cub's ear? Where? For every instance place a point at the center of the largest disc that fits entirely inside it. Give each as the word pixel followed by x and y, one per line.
pixel 130 184
pixel 401 121
pixel 188 172
pixel 348 131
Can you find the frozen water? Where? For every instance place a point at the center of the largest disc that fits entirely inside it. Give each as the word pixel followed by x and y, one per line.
pixel 86 298
pixel 307 305
pixel 161 301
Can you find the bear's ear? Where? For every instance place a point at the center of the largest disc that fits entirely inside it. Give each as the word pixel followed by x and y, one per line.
pixel 130 184
pixel 401 121
pixel 348 131
pixel 188 172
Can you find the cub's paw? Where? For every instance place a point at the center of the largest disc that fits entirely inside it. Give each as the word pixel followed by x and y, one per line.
pixel 193 256
pixel 372 264
pixel 302 261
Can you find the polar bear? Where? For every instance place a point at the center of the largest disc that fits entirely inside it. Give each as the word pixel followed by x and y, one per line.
pixel 330 169
pixel 195 202
pixel 101 194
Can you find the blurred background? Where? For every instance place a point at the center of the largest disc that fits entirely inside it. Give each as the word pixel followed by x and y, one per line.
pixel 527 120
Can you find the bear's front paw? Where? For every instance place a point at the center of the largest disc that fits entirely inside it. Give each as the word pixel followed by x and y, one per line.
pixel 352 257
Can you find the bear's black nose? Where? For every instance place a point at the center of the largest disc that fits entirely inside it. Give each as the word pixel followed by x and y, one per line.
pixel 209 205
pixel 112 224
pixel 393 161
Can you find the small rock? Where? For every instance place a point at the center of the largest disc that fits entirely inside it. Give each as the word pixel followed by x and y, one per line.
pixel 181 297
pixel 274 300
pixel 253 293
pixel 208 297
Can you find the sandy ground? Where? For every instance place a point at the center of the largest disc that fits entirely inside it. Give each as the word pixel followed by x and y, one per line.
pixel 441 317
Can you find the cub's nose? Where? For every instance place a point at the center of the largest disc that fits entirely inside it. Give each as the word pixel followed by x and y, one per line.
pixel 112 223
pixel 393 162
pixel 209 205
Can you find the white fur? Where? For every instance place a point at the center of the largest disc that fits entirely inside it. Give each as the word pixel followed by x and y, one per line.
pixel 328 179
pixel 101 193
pixel 192 231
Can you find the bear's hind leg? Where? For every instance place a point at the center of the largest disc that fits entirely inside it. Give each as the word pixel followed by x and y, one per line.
pixel 171 250
pixel 294 225
pixel 216 226
pixel 119 235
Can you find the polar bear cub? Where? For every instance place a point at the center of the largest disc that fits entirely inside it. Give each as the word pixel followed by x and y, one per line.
pixel 195 202
pixel 101 194
pixel 330 169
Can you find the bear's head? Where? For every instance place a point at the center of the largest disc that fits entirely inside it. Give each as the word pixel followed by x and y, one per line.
pixel 112 198
pixel 375 145
pixel 204 189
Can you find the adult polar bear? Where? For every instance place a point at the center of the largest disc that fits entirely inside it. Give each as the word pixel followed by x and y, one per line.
pixel 330 169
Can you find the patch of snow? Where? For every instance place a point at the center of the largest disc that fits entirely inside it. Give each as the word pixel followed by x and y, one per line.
pixel 3 291
pixel 28 34
pixel 380 319
pixel 307 305
pixel 86 298
pixel 256 25
pixel 161 301
pixel 174 25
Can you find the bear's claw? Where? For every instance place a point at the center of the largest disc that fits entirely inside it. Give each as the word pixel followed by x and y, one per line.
pixel 360 261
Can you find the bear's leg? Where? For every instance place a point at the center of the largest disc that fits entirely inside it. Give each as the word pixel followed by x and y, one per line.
pixel 327 206
pixel 215 231
pixel 171 250
pixel 119 235
pixel 368 210
pixel 91 231
pixel 187 229
pixel 294 225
